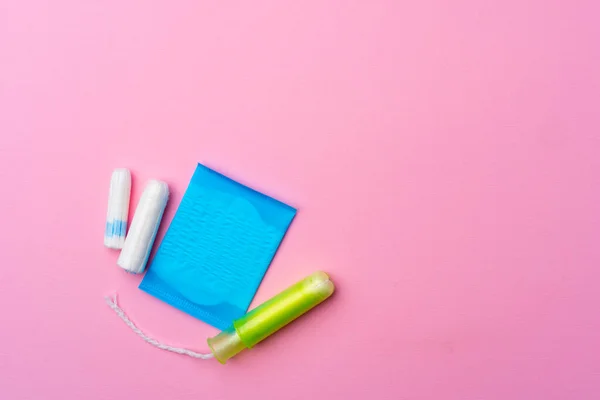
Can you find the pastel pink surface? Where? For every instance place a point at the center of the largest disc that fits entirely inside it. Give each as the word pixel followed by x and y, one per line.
pixel 443 156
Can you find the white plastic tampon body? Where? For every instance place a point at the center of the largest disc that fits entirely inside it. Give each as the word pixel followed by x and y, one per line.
pixel 118 208
pixel 144 226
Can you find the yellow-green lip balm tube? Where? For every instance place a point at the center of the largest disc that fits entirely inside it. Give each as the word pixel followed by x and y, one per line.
pixel 271 316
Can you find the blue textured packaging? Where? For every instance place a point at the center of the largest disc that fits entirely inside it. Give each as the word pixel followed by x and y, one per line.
pixel 217 248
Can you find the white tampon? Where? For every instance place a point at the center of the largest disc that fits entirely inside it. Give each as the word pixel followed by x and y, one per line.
pixel 144 225
pixel 118 208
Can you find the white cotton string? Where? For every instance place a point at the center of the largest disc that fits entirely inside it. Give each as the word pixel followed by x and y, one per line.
pixel 112 303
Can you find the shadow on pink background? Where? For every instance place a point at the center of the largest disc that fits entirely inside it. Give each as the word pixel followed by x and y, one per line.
pixel 443 156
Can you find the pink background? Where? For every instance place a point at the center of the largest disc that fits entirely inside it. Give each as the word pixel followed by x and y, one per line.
pixel 443 156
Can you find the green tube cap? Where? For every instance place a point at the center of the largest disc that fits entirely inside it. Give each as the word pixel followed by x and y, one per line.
pixel 271 316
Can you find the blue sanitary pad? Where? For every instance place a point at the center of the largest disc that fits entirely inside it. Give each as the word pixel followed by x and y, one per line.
pixel 217 249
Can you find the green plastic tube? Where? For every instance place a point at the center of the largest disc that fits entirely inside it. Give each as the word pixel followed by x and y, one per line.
pixel 271 316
